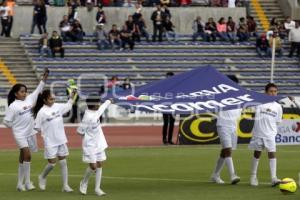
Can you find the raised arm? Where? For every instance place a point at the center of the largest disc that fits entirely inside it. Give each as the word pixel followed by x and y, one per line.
pixel 34 95
pixel 103 107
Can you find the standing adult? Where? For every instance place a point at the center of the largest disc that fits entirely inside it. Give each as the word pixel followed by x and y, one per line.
pixel 157 18
pixel 4 9
pixel 294 38
pixel 169 121
pixel 10 4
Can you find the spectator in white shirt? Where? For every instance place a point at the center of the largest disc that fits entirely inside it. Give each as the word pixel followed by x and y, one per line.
pixel 294 38
pixel 289 24
pixel 4 20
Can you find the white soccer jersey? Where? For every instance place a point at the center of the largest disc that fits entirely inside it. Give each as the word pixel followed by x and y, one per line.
pixel 19 114
pixel 267 118
pixel 50 122
pixel 90 127
pixel 229 118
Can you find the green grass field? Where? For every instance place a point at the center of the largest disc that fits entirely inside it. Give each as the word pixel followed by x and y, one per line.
pixel 162 173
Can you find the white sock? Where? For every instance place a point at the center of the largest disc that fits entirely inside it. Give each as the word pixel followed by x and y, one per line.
pixel 26 168
pixel 255 162
pixel 98 178
pixel 20 174
pixel 272 163
pixel 229 164
pixel 219 167
pixel 88 173
pixel 47 169
pixel 64 171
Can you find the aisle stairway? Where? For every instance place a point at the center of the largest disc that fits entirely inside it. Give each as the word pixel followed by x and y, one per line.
pixel 13 56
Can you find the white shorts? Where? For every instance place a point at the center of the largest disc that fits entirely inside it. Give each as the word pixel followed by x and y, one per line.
pixel 228 137
pixel 259 144
pixel 93 158
pixel 29 141
pixel 53 152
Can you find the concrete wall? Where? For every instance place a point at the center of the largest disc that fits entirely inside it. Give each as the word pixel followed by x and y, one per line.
pixel 290 8
pixel 181 17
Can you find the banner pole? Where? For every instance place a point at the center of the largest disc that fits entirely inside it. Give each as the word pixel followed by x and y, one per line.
pixel 273 61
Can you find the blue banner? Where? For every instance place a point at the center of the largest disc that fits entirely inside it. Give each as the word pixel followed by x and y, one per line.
pixel 197 91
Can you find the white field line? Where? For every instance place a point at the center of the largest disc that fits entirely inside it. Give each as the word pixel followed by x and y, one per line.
pixel 136 178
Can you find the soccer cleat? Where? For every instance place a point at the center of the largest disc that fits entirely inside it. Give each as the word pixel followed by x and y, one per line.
pixel 253 181
pixel 67 189
pixel 42 182
pixel 29 187
pixel 20 188
pixel 83 187
pixel 217 179
pixel 235 179
pixel 275 182
pixel 99 192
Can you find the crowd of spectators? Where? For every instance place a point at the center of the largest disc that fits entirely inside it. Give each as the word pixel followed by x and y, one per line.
pixel 279 32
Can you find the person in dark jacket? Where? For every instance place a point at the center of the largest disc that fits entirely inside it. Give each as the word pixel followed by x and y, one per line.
pixel 55 44
pixel 157 18
pixel 169 122
pixel 40 13
pixel 100 16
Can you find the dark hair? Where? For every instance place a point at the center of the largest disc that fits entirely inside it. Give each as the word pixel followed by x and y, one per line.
pixel 11 97
pixel 92 100
pixel 270 85
pixel 170 74
pixel 40 101
pixel 221 19
pixel 233 78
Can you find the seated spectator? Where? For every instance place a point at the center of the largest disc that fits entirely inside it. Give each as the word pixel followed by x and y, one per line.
pixel 100 16
pixel 231 30
pixel 126 84
pixel 198 29
pixel 281 30
pixel 114 37
pixel 242 31
pixel 211 30
pixel 44 46
pixel 252 27
pixel 113 85
pixel 274 22
pixel 289 24
pixel 141 28
pixel 168 27
pixel 222 29
pixel 126 38
pixel 65 28
pixel 262 45
pixel 278 44
pixel 55 44
pixel 101 37
pixel 294 38
pixel 77 32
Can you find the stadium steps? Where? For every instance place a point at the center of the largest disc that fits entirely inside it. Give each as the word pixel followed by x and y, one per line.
pixel 271 9
pixel 14 56
pixel 150 62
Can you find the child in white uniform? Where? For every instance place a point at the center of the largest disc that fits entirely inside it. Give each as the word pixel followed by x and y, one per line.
pixel 93 142
pixel 19 118
pixel 49 120
pixel 267 118
pixel 227 122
